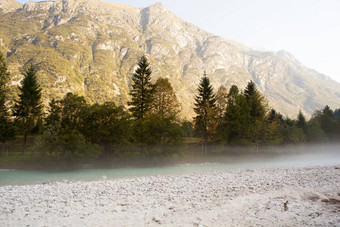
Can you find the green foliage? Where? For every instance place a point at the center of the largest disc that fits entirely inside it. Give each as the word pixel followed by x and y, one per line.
pixel 7 131
pixel 221 102
pixel 160 127
pixel 328 123
pixel 256 102
pixel 107 125
pixel 73 107
pixel 60 143
pixel 205 120
pixel 188 128
pixel 336 114
pixel 314 132
pixel 4 77
pixel 291 134
pixel 141 90
pixel 28 109
pixel 164 101
pixel 301 121
pixel 66 123
pixel 162 131
pixel 55 112
pixel 258 111
pixel 236 126
pixel 273 124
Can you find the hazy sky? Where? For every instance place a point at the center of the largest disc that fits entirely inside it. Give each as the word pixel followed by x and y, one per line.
pixel 309 29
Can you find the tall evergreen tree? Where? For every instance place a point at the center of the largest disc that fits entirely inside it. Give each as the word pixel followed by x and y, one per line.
pixel 301 121
pixel 4 76
pixel 327 121
pixel 6 126
pixel 28 108
pixel 314 132
pixel 258 111
pixel 256 101
pixel 205 120
pixel 236 122
pixel 141 89
pixel 55 113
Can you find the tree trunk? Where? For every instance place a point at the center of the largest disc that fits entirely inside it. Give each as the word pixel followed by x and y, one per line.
pixel 3 148
pixel 25 140
pixel 204 143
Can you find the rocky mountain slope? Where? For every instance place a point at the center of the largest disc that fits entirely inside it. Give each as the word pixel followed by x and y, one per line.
pixel 91 48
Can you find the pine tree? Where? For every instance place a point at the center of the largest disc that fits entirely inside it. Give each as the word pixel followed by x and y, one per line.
pixel 6 126
pixel 273 125
pixel 257 103
pixel 301 121
pixel 205 120
pixel 141 90
pixel 236 122
pixel 55 113
pixel 28 108
pixel 328 122
pixel 258 111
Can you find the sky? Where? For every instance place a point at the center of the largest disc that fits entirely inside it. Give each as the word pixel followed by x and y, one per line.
pixel 309 29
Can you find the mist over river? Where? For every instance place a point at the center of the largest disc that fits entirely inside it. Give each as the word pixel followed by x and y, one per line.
pixel 311 156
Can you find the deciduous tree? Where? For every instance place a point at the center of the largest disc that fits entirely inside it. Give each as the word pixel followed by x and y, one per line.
pixel 164 100
pixel 221 102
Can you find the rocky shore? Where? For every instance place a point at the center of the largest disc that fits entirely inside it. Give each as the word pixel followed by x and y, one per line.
pixel 244 197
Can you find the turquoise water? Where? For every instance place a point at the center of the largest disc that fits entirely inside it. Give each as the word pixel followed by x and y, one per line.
pixel 20 177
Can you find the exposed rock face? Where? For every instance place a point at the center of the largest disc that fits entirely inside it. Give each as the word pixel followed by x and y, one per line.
pixel 91 47
pixel 9 6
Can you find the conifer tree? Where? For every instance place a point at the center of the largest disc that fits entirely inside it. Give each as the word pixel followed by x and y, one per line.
pixel 257 103
pixel 6 127
pixel 141 98
pixel 55 113
pixel 327 121
pixel 141 89
pixel 28 108
pixel 301 121
pixel 205 120
pixel 258 111
pixel 236 122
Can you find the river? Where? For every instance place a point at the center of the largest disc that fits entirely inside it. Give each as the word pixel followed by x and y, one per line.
pixel 324 156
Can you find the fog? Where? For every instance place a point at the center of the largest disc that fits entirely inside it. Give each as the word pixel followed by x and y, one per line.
pixel 218 159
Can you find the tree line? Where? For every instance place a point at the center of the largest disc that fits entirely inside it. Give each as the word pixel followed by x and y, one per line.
pixel 243 118
pixel 70 128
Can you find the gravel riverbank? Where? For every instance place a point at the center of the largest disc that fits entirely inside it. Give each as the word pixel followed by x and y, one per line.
pixel 244 197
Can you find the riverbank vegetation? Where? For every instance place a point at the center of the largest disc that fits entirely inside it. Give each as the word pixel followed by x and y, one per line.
pixel 72 131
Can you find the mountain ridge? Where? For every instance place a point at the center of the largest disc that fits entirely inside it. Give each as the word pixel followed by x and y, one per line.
pixel 9 6
pixel 91 48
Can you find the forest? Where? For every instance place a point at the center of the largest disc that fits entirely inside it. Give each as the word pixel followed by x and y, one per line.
pixel 70 130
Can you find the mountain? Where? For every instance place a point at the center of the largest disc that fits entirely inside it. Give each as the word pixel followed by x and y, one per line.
pixel 91 48
pixel 9 6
